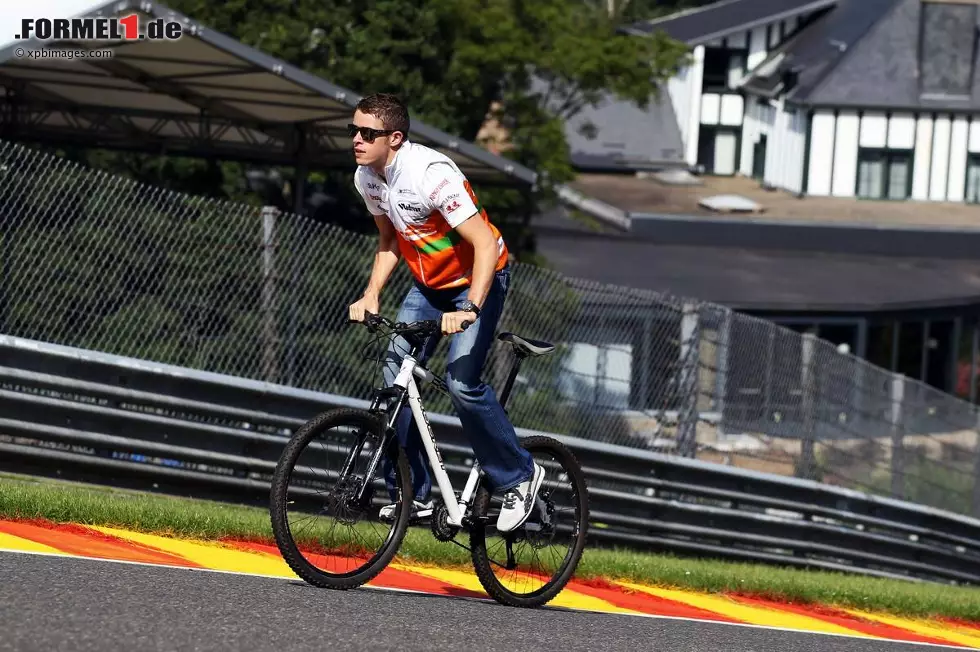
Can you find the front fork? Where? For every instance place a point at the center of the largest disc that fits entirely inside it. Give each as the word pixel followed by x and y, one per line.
pixel 391 415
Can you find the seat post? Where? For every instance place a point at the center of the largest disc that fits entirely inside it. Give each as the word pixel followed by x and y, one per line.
pixel 511 377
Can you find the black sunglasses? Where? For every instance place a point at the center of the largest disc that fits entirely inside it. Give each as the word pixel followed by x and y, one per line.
pixel 367 133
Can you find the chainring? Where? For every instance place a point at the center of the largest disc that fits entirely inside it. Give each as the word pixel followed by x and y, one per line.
pixel 441 529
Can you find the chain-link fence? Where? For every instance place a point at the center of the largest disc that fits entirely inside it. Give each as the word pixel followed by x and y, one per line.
pixel 98 262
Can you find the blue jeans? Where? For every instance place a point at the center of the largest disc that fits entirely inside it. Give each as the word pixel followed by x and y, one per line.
pixel 485 423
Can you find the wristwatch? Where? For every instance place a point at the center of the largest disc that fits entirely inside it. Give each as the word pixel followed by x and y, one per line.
pixel 469 306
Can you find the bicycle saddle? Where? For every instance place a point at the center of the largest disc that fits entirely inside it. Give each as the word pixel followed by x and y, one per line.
pixel 528 346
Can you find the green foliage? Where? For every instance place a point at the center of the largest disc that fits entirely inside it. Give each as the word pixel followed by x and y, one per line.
pixel 457 63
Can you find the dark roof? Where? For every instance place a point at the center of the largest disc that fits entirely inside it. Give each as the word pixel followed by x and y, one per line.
pixel 618 134
pixel 150 96
pixel 914 63
pixel 626 136
pixel 764 279
pixel 721 19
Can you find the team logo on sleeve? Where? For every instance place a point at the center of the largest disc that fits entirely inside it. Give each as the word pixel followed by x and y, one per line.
pixel 435 193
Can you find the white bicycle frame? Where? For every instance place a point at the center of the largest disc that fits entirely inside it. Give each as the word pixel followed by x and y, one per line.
pixel 406 380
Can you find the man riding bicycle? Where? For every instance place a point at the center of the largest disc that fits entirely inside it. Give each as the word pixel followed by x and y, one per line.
pixel 427 213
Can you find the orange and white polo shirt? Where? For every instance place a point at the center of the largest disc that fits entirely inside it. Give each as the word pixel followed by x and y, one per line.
pixel 426 197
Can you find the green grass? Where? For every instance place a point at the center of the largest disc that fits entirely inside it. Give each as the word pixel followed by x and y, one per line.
pixel 22 497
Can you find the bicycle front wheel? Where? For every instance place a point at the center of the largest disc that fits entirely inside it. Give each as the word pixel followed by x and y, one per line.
pixel 325 531
pixel 529 566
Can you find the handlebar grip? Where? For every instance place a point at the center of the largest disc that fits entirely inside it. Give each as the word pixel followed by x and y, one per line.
pixel 368 315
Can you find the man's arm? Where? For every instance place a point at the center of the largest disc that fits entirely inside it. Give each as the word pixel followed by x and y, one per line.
pixel 385 257
pixel 485 254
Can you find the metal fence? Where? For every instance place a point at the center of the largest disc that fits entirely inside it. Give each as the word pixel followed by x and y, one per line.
pixel 89 416
pixel 103 263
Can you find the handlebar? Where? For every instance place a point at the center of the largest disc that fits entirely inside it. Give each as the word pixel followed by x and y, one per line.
pixel 423 327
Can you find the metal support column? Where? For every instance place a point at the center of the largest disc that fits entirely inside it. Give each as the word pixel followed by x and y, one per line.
pixel 860 391
pixel 690 350
pixel 808 461
pixel 721 379
pixel 770 354
pixel 898 443
pixel 646 363
pixel 270 327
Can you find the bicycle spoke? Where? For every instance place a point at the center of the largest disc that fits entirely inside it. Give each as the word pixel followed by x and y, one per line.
pixel 333 534
pixel 546 545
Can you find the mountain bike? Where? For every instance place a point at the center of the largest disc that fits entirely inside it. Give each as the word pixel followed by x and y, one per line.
pixel 526 567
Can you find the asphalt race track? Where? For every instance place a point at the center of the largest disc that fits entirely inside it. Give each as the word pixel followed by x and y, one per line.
pixel 65 603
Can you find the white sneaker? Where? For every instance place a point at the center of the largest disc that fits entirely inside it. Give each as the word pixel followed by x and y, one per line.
pixel 419 510
pixel 518 502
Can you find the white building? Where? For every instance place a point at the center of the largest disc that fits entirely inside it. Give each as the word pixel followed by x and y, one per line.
pixel 843 98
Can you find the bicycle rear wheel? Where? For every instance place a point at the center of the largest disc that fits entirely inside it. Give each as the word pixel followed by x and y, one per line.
pixel 319 475
pixel 529 566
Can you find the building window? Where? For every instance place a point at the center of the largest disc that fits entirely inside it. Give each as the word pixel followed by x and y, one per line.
pixel 722 68
pixel 884 173
pixel 598 375
pixel 973 178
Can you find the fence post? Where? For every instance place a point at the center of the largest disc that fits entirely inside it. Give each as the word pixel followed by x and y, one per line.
pixel 270 362
pixel 808 462
pixel 898 445
pixel 770 354
pixel 690 350
pixel 721 376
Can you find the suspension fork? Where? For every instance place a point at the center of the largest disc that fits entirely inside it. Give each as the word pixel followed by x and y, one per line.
pixel 399 391
pixel 391 415
pixel 356 451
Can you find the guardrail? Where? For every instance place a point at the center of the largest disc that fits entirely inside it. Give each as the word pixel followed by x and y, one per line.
pixel 92 416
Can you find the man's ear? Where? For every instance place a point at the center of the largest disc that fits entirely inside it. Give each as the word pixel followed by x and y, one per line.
pixel 397 138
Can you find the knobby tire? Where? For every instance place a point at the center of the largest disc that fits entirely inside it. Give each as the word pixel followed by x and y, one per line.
pixel 481 505
pixel 279 499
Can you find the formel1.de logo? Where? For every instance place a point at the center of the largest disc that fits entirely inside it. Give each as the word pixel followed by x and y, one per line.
pixel 124 28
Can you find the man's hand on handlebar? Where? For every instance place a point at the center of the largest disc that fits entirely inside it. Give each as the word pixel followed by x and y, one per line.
pixel 456 322
pixel 448 323
pixel 367 303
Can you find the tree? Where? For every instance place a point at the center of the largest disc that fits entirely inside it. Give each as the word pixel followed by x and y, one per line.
pixel 459 64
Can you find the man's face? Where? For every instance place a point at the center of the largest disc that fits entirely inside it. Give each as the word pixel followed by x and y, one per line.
pixel 370 153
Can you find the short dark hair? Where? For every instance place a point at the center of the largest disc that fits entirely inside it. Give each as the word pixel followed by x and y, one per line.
pixel 389 109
